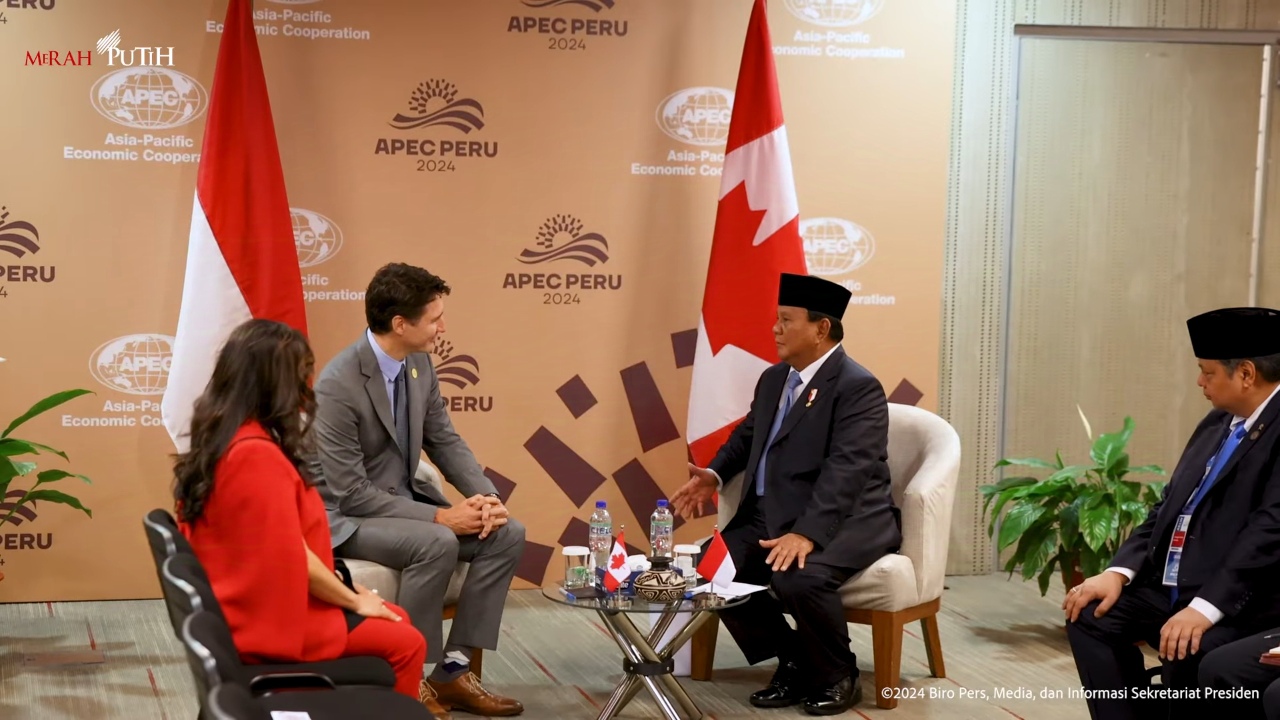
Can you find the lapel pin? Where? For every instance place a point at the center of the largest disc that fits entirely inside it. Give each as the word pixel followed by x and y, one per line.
pixel 414 373
pixel 1253 435
pixel 812 394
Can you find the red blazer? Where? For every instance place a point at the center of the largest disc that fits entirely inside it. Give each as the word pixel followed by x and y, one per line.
pixel 250 541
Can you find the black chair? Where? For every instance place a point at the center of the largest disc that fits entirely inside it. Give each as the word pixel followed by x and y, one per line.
pixel 233 702
pixel 187 590
pixel 215 662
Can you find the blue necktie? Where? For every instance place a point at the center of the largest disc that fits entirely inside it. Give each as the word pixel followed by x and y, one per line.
pixel 788 397
pixel 1219 460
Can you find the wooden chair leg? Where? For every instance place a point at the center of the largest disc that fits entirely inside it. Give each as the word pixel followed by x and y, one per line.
pixel 933 646
pixel 477 660
pixel 702 650
pixel 886 645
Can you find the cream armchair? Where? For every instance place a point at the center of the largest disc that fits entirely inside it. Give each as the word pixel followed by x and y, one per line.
pixel 924 462
pixel 387 581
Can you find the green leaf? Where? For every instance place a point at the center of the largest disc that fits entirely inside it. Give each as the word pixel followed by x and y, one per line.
pixel 1041 541
pixel 1027 462
pixel 1003 497
pixel 1148 469
pixel 1057 454
pixel 1070 472
pixel 38 447
pixel 10 447
pixel 44 405
pixel 1046 575
pixel 10 469
pixel 1016 522
pixel 1091 562
pixel 1005 484
pixel 49 476
pixel 1119 468
pixel 54 496
pixel 1098 522
pixel 1109 447
pixel 1069 524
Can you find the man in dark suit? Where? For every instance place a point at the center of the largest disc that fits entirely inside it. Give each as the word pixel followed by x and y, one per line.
pixel 1204 568
pixel 817 506
pixel 378 406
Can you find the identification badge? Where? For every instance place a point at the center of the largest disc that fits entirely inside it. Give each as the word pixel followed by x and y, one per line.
pixel 1175 550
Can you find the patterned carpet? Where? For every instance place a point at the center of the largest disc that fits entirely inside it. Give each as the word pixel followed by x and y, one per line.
pixel 107 660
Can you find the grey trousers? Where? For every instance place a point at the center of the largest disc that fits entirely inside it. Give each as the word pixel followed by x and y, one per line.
pixel 426 555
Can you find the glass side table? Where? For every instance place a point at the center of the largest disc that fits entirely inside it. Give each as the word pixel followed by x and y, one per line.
pixel 643 663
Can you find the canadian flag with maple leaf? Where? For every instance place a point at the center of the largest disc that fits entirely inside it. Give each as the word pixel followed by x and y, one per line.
pixel 617 572
pixel 756 239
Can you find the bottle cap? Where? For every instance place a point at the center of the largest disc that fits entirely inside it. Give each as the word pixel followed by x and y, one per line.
pixel 662 503
pixel 600 503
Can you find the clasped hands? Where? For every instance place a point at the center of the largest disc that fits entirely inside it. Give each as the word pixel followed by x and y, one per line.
pixel 692 497
pixel 478 514
pixel 1179 636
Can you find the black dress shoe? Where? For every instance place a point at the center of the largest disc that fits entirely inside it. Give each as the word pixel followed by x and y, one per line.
pixel 835 699
pixel 785 689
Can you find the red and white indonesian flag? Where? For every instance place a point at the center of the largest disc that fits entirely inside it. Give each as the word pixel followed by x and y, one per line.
pixel 756 239
pixel 617 571
pixel 717 564
pixel 241 258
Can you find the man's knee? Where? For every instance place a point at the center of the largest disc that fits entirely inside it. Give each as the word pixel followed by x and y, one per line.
pixel 436 545
pixel 1216 665
pixel 509 539
pixel 796 583
pixel 1087 624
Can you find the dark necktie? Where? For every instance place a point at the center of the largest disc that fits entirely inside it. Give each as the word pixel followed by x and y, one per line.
pixel 402 417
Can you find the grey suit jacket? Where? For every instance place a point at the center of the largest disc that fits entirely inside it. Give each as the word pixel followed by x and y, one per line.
pixel 357 462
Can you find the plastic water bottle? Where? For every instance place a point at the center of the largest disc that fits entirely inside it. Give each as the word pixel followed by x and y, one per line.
pixel 661 526
pixel 600 540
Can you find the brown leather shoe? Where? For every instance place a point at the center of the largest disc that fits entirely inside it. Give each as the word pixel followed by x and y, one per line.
pixel 427 696
pixel 466 693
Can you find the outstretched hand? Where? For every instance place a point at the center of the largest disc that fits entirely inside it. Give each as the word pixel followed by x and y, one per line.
pixel 692 497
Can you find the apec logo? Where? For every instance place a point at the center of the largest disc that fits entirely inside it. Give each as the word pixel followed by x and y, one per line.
pixel 460 372
pixel 149 98
pixel 834 13
pixel 316 237
pixel 433 105
pixel 561 238
pixel 134 364
pixel 21 239
pixel 835 246
pixel 697 115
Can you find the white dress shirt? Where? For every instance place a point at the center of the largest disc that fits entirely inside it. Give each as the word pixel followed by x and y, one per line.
pixel 1204 607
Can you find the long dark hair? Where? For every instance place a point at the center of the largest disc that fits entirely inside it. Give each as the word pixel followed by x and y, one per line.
pixel 263 373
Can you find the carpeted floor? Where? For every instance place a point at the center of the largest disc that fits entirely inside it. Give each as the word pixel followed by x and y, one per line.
pixel 998 637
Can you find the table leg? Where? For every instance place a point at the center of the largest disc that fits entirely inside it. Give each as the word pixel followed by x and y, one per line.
pixel 639 651
pixel 667 680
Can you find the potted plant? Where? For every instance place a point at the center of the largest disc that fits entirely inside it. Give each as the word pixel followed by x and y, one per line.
pixel 1076 517
pixel 12 468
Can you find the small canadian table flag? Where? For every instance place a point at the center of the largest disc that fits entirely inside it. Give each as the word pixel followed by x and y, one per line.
pixel 717 564
pixel 617 571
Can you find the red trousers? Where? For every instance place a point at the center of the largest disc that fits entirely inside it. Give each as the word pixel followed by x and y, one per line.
pixel 399 643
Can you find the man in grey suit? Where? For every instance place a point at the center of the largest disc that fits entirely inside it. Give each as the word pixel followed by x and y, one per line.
pixel 378 408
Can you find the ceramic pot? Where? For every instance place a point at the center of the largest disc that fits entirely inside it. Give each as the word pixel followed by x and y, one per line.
pixel 660 583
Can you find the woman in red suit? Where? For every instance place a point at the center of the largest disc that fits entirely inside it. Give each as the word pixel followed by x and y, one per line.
pixel 258 525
